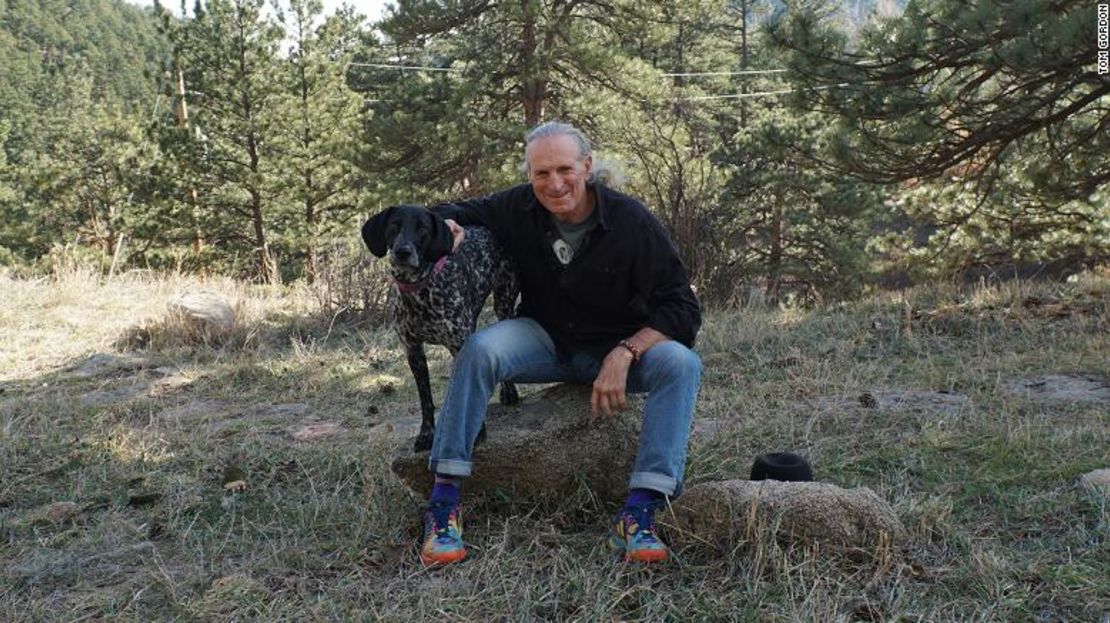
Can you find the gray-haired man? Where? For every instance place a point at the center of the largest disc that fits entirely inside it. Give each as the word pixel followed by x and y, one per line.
pixel 605 300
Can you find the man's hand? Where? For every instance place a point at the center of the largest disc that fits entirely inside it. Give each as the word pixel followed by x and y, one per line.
pixel 609 387
pixel 457 232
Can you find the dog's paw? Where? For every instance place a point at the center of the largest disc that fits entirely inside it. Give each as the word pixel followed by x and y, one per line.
pixel 509 395
pixel 423 441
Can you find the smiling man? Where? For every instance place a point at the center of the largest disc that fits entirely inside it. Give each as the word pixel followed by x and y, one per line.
pixel 605 300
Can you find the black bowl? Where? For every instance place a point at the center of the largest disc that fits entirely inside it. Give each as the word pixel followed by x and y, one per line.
pixel 784 466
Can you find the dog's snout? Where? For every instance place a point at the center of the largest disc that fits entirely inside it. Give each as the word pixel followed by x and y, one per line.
pixel 405 253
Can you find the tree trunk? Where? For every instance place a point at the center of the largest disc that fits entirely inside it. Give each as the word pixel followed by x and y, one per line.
pixel 311 216
pixel 774 262
pixel 533 85
pixel 743 61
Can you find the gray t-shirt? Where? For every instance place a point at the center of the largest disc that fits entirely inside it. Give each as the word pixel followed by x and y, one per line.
pixel 572 236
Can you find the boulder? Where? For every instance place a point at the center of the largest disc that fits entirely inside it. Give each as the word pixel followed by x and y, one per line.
pixel 205 312
pixel 1097 482
pixel 543 447
pixel 722 514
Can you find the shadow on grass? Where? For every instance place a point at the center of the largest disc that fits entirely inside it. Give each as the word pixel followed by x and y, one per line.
pixel 145 446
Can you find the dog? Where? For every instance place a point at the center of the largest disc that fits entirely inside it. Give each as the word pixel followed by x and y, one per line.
pixel 440 293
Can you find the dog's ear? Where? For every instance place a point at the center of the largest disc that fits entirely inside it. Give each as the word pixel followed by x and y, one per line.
pixel 373 231
pixel 442 242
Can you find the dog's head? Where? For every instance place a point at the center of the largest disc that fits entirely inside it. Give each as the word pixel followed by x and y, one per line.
pixel 414 237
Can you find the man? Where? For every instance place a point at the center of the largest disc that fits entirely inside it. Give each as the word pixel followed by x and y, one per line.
pixel 604 300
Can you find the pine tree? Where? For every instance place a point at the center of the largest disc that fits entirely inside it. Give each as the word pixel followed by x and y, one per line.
pixel 507 66
pixel 800 228
pixel 994 105
pixel 322 116
pixel 228 52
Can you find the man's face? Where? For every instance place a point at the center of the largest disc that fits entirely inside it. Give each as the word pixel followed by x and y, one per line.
pixel 558 175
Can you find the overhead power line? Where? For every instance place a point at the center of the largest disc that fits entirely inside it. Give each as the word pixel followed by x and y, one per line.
pixel 746 72
pixel 404 67
pixel 760 94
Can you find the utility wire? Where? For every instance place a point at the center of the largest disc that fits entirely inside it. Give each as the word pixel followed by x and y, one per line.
pixel 761 93
pixel 746 72
pixel 405 67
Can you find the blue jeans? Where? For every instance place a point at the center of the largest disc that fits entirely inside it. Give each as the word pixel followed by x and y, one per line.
pixel 520 350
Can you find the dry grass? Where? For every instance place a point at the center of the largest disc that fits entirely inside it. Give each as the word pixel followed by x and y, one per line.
pixel 143 444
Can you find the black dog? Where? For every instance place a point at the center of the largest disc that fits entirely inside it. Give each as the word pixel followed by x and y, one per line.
pixel 440 293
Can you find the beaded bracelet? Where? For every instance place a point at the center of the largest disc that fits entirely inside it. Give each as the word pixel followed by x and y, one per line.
pixel 636 354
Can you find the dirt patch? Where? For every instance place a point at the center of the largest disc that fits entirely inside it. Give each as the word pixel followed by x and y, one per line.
pixel 194 409
pixel 317 430
pixel 1067 388
pixel 103 363
pixel 398 430
pixel 261 418
pixel 105 397
pixel 945 403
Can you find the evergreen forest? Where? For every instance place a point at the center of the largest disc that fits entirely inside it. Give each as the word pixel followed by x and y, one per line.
pixel 798 150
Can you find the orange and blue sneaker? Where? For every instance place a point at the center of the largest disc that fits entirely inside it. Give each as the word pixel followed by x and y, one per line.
pixel 443 542
pixel 633 534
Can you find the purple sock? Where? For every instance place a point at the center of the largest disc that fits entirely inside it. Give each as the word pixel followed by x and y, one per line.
pixel 641 497
pixel 446 489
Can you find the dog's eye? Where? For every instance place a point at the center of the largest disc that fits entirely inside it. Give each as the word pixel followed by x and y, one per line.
pixel 390 231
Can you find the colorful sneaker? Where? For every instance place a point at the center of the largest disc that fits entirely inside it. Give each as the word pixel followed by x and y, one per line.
pixel 633 533
pixel 443 542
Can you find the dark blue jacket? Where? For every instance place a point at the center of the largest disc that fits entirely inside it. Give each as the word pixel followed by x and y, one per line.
pixel 626 276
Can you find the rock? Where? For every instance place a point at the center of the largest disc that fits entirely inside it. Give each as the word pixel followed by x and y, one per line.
pixel 53 513
pixel 100 363
pixel 543 447
pixel 205 311
pixel 169 384
pixel 1061 388
pixel 317 430
pixel 1097 482
pixel 724 513
pixel 397 431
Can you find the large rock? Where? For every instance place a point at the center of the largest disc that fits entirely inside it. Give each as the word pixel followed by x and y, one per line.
pixel 205 312
pixel 724 513
pixel 1097 482
pixel 543 447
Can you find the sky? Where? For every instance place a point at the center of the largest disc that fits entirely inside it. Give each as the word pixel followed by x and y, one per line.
pixel 373 9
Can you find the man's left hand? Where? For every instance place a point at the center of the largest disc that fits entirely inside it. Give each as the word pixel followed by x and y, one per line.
pixel 457 233
pixel 609 387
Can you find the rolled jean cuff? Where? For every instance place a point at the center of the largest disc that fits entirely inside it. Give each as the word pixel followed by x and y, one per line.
pixel 656 482
pixel 449 467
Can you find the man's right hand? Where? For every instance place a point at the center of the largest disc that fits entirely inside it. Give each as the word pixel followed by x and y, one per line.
pixel 457 232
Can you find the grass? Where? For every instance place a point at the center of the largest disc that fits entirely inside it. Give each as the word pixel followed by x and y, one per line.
pixel 141 448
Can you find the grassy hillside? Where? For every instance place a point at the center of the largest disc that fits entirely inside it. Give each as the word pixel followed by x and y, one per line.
pixel 120 494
